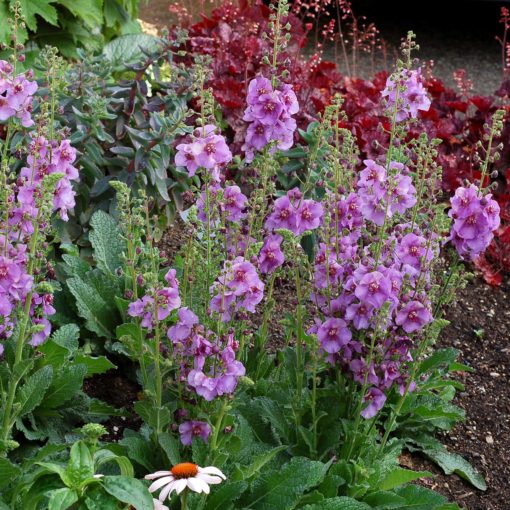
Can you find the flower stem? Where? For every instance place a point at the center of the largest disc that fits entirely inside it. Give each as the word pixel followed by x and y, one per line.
pixel 184 500
pixel 217 426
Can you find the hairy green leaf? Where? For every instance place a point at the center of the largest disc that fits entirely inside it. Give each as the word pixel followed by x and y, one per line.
pixel 66 382
pixel 284 487
pixel 92 307
pixel 33 391
pixel 107 242
pixel 8 471
pixel 224 497
pixel 399 476
pixel 339 503
pixel 61 499
pixel 129 490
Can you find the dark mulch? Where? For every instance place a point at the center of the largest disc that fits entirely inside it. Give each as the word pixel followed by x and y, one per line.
pixel 479 329
pixel 118 391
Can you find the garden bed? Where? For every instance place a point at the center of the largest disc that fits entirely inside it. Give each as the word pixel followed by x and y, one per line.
pixel 479 329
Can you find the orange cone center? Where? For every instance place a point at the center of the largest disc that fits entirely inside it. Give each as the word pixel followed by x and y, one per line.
pixel 184 470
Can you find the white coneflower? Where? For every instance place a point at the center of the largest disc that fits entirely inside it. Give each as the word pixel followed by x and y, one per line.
pixel 182 476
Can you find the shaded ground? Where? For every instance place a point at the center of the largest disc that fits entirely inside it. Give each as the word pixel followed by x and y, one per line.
pixel 480 330
pixel 453 34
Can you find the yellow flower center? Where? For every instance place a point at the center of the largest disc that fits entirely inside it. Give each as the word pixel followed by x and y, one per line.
pixel 185 470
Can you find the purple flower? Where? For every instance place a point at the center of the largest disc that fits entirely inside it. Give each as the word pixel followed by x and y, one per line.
pixel 372 176
pixel 167 299
pixel 191 429
pixel 360 314
pixel 258 87
pixel 238 287
pixel 207 150
pixel 411 98
pixel 40 337
pixel 184 326
pixel 234 203
pixel 214 151
pixel 271 255
pixel 309 215
pixel 333 334
pixel 374 288
pixel 64 198
pixel 413 316
pixel 222 380
pixel 171 279
pixel 266 110
pixel 412 249
pixel 269 113
pixel 475 218
pixel 186 157
pixel 376 399
pixel 143 308
pixel 283 216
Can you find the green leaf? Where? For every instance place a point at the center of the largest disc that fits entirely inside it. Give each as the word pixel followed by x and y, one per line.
pixel 75 265
pixel 399 476
pixel 42 8
pixel 419 498
pixel 129 490
pixel 261 460
pixel 61 499
pixel 54 354
pixel 139 451
pixel 107 242
pixel 339 503
pixel 454 463
pixel 105 456
pixel 92 307
pixel 98 499
pixel 284 487
pixel 81 465
pixel 4 27
pixel 170 446
pixel 8 471
pixel 224 497
pixel 66 383
pixel 95 365
pixel 126 49
pixel 440 357
pixel 148 412
pixel 383 500
pixel 90 11
pixel 32 392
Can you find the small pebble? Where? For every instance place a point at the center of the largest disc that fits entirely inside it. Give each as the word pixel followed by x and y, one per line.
pixel 489 439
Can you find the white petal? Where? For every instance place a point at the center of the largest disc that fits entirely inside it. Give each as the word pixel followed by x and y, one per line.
pixel 209 478
pixel 180 485
pixel 159 483
pixel 198 485
pixel 167 490
pixel 157 474
pixel 211 470
pixel 158 505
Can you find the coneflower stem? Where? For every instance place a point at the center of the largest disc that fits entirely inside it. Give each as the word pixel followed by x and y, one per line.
pixel 184 500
